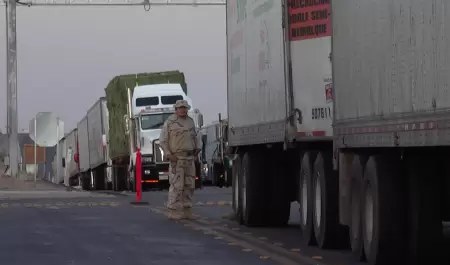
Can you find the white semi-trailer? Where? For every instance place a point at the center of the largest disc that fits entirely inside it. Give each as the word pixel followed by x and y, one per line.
pixel 362 148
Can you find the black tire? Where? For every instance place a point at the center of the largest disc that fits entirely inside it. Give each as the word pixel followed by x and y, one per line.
pixel 229 178
pixel 305 198
pixel 279 203
pixel 425 217
pixel 384 201
pixel 133 181
pixel 325 183
pixel 114 179
pixel 217 171
pixel 356 240
pixel 85 181
pixel 253 199
pixel 198 177
pixel 237 196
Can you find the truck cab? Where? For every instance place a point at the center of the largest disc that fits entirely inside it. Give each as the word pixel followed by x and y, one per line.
pixel 151 105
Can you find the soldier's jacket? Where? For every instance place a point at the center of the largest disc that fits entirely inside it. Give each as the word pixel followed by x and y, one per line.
pixel 179 135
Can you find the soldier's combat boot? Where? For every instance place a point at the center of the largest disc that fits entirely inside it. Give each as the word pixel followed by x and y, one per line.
pixel 174 215
pixel 187 214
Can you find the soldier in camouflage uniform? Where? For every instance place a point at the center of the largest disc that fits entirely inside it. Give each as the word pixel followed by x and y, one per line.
pixel 180 144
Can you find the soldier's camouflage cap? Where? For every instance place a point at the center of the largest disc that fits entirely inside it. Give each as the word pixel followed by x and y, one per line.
pixel 181 103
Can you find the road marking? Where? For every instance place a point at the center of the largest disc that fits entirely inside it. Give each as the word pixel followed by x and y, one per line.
pixel 264 257
pixel 213 203
pixel 218 237
pixel 50 204
pixel 262 238
pixel 248 243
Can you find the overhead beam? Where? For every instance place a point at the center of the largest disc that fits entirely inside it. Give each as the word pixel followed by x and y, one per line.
pixel 150 3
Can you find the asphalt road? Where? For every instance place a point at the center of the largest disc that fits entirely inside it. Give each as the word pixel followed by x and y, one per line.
pixel 213 204
pixel 59 227
pixel 54 226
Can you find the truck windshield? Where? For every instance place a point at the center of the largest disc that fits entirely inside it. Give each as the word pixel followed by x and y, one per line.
pixel 153 121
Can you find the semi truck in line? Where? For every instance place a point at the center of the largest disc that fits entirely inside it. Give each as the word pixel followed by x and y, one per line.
pixel 342 107
pixel 214 154
pixel 129 117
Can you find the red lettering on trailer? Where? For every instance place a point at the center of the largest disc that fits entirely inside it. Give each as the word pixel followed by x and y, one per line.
pixel 309 19
pixel 313 133
pixel 401 127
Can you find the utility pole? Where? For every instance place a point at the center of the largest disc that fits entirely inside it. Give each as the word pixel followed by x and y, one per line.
pixel 12 86
pixel 8 97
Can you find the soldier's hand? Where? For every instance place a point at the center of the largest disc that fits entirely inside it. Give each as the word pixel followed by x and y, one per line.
pixel 196 152
pixel 172 158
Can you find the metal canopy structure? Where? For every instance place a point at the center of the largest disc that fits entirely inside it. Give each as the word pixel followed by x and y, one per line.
pixel 146 3
pixel 11 47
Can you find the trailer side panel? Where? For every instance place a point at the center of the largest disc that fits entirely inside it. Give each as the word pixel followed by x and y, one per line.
pixel 256 72
pixel 310 54
pixel 390 60
pixel 71 169
pixel 83 144
pixel 96 129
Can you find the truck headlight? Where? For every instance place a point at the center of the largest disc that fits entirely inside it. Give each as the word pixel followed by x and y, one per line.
pixel 147 159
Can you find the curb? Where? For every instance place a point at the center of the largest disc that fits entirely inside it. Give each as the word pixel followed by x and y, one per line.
pixel 115 193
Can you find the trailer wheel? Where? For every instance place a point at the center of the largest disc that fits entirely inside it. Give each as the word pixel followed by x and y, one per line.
pixel 85 181
pixel 325 208
pixel 356 240
pixel 114 178
pixel 384 222
pixel 132 181
pixel 305 198
pixel 277 179
pixel 426 230
pixel 253 197
pixel 237 196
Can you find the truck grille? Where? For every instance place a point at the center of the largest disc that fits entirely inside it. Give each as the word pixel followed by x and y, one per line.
pixel 157 152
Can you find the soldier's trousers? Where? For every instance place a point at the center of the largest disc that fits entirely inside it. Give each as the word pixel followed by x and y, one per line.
pixel 182 183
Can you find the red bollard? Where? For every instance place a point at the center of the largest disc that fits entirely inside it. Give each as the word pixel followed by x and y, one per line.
pixel 138 179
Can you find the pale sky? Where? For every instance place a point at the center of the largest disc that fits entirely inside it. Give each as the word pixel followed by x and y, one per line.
pixel 67 55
